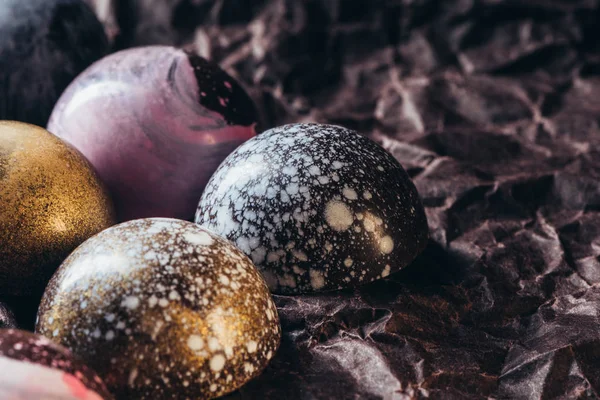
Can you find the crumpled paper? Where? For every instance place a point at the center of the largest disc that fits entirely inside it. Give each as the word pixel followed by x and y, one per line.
pixel 493 107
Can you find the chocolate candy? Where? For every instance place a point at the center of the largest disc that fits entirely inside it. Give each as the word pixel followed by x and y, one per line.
pixel 162 309
pixel 316 207
pixel 156 122
pixel 50 202
pixel 35 368
pixel 44 45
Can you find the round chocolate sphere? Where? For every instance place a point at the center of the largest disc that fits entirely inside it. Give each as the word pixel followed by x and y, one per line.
pixel 7 318
pixel 156 122
pixel 44 45
pixel 35 368
pixel 316 207
pixel 162 309
pixel 50 202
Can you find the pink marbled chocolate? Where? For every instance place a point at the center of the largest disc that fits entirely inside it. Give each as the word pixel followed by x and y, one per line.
pixel 146 119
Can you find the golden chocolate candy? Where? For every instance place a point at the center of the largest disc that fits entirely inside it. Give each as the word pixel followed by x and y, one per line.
pixel 50 202
pixel 162 309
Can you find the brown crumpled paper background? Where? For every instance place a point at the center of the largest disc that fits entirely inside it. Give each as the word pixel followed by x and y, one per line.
pixel 494 109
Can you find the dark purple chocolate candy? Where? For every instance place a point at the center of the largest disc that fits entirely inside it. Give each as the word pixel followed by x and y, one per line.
pixel 32 367
pixel 316 207
pixel 44 45
pixel 155 122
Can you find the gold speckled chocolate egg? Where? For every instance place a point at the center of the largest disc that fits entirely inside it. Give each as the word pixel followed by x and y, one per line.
pixel 162 309
pixel 50 202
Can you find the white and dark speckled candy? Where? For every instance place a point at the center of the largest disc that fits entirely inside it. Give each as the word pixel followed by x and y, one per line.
pixel 316 207
pixel 163 309
pixel 32 367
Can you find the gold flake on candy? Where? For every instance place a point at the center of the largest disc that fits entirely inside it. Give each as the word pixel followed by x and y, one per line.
pixel 50 202
pixel 162 308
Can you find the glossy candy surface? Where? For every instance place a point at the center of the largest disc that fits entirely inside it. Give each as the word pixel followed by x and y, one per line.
pixel 32 367
pixel 44 45
pixel 316 207
pixel 162 308
pixel 155 122
pixel 50 202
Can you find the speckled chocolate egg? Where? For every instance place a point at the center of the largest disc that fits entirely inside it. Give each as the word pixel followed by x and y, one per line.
pixel 162 309
pixel 316 207
pixel 7 318
pixel 32 367
pixel 44 45
pixel 156 122
pixel 50 202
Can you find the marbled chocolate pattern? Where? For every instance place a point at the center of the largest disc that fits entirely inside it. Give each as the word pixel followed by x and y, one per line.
pixel 155 122
pixel 163 309
pixel 316 207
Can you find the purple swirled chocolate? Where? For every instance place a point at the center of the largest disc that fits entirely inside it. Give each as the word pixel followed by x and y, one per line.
pixel 155 122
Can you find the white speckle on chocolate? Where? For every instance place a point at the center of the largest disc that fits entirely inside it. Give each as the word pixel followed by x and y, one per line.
pixel 132 377
pixel 369 222
pixel 213 344
pixel 316 207
pixel 196 308
pixel 323 180
pixel 350 193
pixel 131 302
pixel 224 280
pixel 163 303
pixel 386 245
pixel 252 346
pixel 152 301
pixel 317 279
pixel 386 271
pixel 199 238
pixel 338 215
pixel 195 342
pixel 217 363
